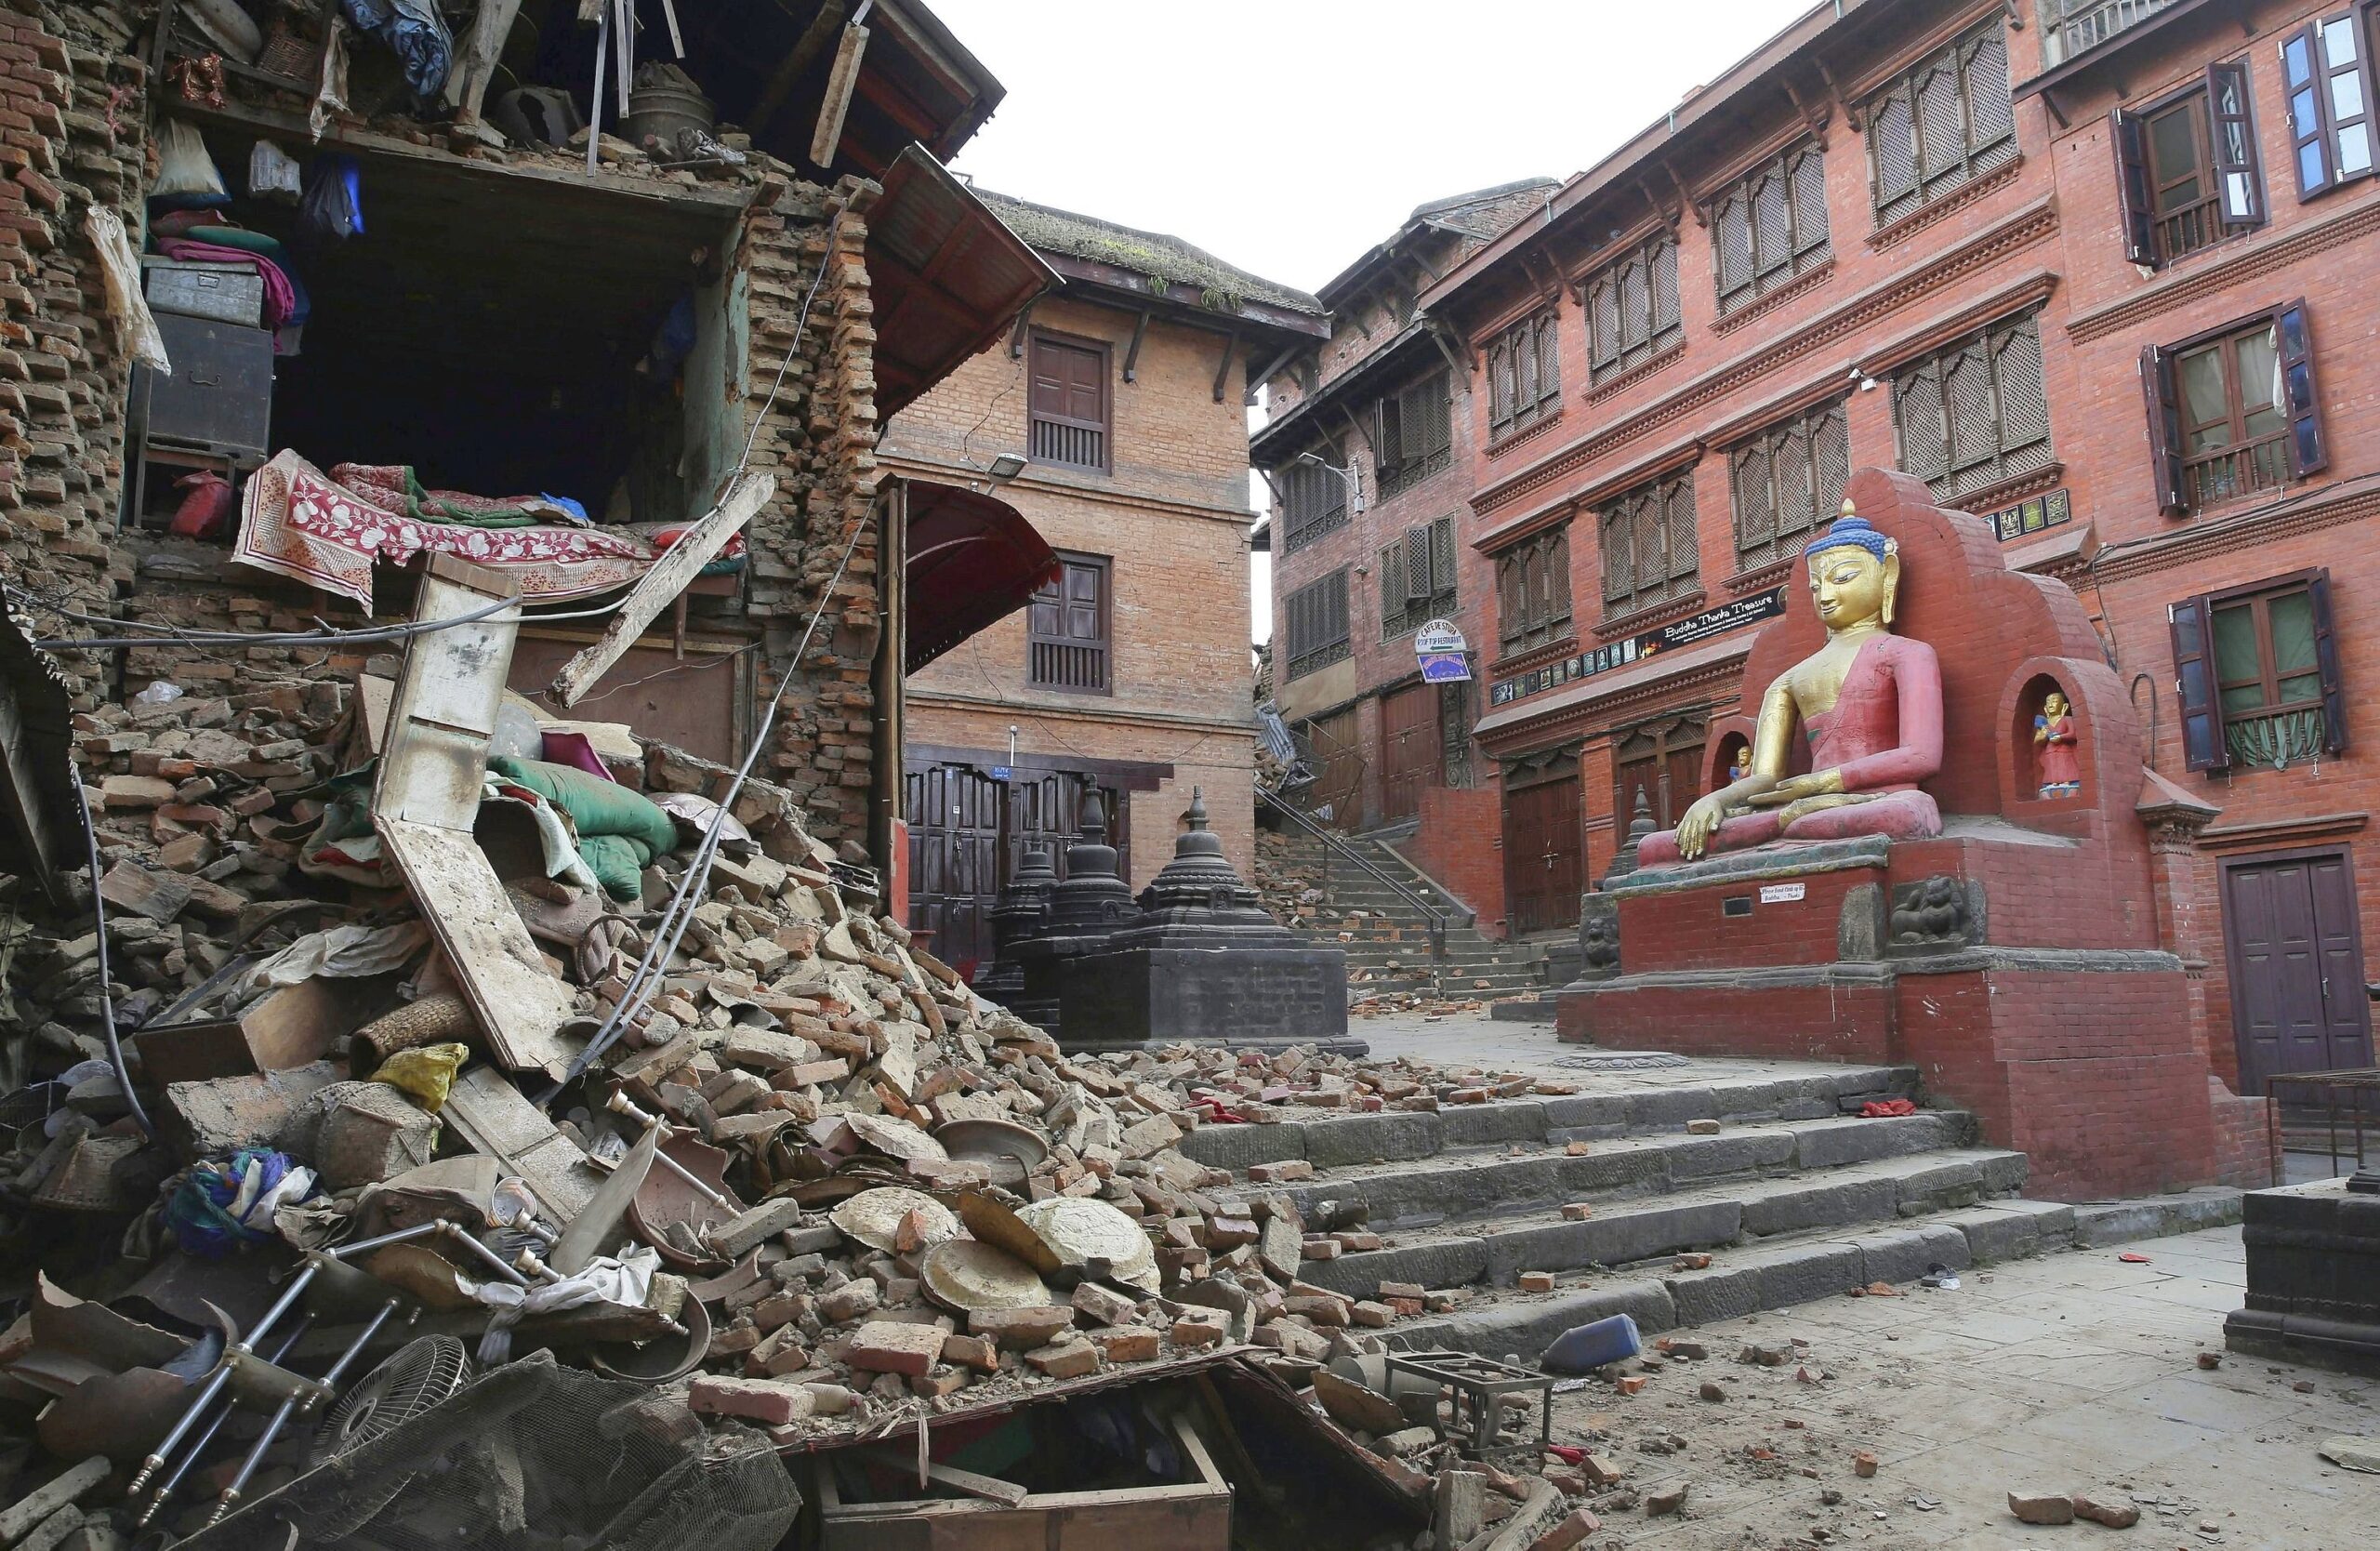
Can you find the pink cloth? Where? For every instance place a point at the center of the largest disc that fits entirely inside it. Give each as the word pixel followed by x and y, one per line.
pixel 575 750
pixel 1885 735
pixel 280 297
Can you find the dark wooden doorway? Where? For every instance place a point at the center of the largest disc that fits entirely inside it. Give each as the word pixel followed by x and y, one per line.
pixel 1338 760
pixel 968 833
pixel 1544 870
pixel 954 871
pixel 1409 748
pixel 2296 948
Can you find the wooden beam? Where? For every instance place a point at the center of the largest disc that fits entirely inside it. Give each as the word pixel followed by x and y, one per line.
pixel 466 83
pixel 842 84
pixel 655 589
pixel 805 50
pixel 1132 352
pixel 1016 335
pixel 1007 1493
pixel 1223 372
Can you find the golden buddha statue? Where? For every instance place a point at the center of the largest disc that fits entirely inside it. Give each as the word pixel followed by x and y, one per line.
pixel 1870 703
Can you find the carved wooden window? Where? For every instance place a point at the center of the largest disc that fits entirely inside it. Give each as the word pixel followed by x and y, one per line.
pixel 1417 578
pixel 1974 413
pixel 1070 410
pixel 1533 592
pixel 2233 412
pixel 1523 374
pixel 2256 673
pixel 2327 76
pixel 1313 500
pixel 1317 624
pixel 1632 307
pixel 1945 122
pixel 1066 628
pixel 2187 171
pixel 1412 434
pixel 1771 226
pixel 1649 552
pixel 1786 480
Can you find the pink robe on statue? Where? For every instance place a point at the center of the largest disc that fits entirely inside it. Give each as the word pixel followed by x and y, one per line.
pixel 1885 735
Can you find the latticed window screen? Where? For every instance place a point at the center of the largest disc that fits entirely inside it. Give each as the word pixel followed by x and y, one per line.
pixel 1944 122
pixel 1417 578
pixel 1314 500
pixel 1632 307
pixel 1771 226
pixel 1317 624
pixel 1649 554
pixel 1412 434
pixel 1523 374
pixel 1786 480
pixel 1974 413
pixel 1533 591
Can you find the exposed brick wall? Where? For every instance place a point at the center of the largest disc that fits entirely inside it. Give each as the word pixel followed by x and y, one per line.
pixel 1172 517
pixel 71 134
pixel 1446 846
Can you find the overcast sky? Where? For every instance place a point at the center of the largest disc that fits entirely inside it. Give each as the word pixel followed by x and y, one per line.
pixel 1287 136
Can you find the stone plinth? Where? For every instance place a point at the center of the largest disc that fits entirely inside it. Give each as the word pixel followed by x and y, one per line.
pixel 2313 1278
pixel 1020 915
pixel 1204 962
pixel 1085 909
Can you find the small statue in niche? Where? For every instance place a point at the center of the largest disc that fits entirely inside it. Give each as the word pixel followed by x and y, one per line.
pixel 2054 741
pixel 1739 763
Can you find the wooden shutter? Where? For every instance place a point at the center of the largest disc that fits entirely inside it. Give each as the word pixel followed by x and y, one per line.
pixel 1429 419
pixel 2346 95
pixel 1618 555
pixel 1388 436
pixel 2304 88
pixel 2326 658
pixel 1685 550
pixel 1558 565
pixel 1810 231
pixel 1731 229
pixel 1393 589
pixel 1749 473
pixel 1666 327
pixel 2137 201
pixel 1066 628
pixel 1941 124
pixel 1416 547
pixel 2016 379
pixel 2164 428
pixel 1917 411
pixel 1892 151
pixel 2191 622
pixel 1442 558
pixel 1772 224
pixel 1991 109
pixel 2301 398
pixel 1549 358
pixel 2239 173
pixel 1831 454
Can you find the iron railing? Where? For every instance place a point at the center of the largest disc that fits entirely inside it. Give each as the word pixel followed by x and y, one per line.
pixel 1334 845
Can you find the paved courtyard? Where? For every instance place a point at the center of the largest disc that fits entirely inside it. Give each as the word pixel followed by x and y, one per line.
pixel 2074 1372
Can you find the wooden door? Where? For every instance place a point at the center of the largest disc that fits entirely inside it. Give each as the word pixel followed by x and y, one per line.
pixel 955 876
pixel 2296 960
pixel 1045 811
pixel 1408 749
pixel 1338 769
pixel 1543 855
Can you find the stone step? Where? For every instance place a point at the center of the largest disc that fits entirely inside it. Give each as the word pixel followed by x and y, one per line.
pixel 2099 1223
pixel 1332 1139
pixel 1656 1227
pixel 1774 1275
pixel 1460 1186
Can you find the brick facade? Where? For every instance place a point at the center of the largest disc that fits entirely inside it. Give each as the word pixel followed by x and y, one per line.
pixel 2040 230
pixel 1172 517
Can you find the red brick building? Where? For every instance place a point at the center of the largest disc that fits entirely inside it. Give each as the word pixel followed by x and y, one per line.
pixel 1368 448
pixel 2091 271
pixel 1121 398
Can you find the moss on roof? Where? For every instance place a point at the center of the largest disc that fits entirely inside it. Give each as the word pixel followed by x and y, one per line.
pixel 1161 260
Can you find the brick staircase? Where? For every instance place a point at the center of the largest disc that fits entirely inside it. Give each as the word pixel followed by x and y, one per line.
pixel 1793 1197
pixel 1386 940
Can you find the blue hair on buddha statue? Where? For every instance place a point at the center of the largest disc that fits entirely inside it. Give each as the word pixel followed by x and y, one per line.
pixel 1853 532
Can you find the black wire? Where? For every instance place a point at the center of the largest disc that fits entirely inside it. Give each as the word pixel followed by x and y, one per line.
pixel 107 992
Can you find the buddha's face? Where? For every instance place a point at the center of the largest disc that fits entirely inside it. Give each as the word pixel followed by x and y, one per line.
pixel 2053 705
pixel 1849 587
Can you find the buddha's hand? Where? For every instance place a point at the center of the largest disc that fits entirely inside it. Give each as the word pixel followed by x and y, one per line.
pixel 1818 783
pixel 1702 817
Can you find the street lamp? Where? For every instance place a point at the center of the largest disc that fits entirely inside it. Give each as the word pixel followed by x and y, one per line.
pixel 1354 480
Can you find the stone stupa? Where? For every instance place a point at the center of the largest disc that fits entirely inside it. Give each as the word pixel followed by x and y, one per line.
pixel 1205 962
pixel 1086 908
pixel 1018 915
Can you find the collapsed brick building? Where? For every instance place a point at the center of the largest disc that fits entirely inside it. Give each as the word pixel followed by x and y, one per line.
pixel 624 326
pixel 2089 271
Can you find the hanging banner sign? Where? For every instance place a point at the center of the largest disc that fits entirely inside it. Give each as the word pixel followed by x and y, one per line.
pixel 1620 654
pixel 1440 647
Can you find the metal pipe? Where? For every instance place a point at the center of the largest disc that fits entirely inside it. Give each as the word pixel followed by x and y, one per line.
pixel 107 994
pixel 623 1105
pixel 217 1380
pixel 289 1408
pixel 167 1488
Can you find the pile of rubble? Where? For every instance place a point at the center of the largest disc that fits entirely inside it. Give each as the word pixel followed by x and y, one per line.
pixel 820 1188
